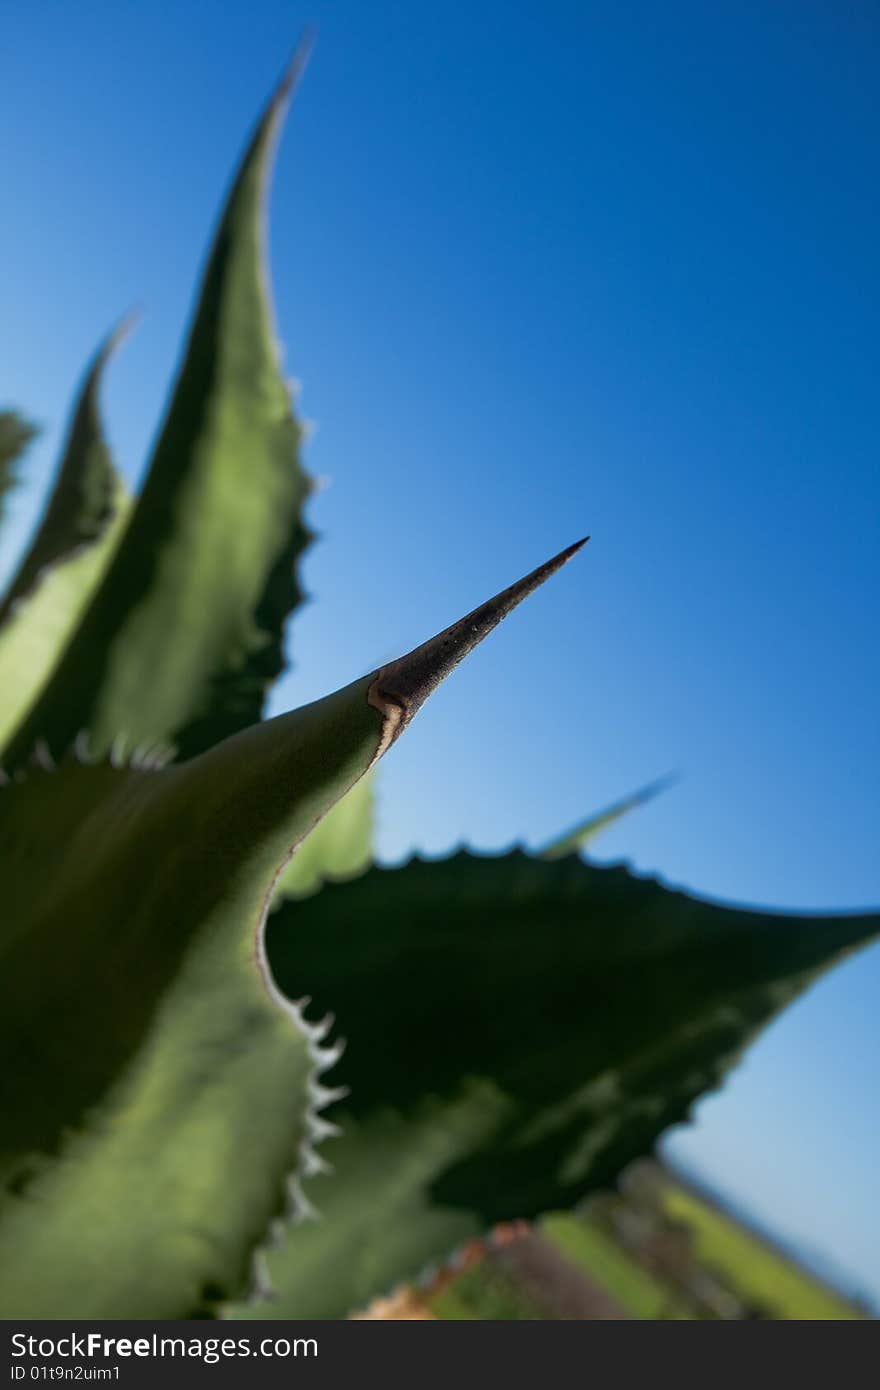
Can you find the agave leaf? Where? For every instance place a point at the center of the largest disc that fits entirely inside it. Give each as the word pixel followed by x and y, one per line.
pixel 82 502
pixel 16 434
pixel 70 550
pixel 582 834
pixel 157 1085
pixel 185 634
pixel 339 848
pixel 159 1091
pixel 517 1031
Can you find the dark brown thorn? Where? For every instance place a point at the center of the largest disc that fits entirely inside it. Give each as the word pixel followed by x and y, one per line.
pixel 406 683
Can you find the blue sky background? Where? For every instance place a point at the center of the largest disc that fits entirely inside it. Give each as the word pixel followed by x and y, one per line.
pixel 543 269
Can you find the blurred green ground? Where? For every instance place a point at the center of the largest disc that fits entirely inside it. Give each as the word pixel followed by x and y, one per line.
pixel 655 1249
pixel 751 1266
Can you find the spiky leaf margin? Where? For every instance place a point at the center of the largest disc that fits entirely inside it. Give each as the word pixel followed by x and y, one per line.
pixel 517 1032
pixel 185 634
pixel 154 1087
pixel 70 550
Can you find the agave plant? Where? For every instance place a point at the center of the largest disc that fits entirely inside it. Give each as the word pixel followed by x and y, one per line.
pixel 178 875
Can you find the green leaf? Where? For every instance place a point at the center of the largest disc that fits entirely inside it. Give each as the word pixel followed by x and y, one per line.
pixel 16 434
pixel 185 634
pixel 582 834
pixel 159 1090
pixel 83 499
pixel 62 566
pixel 156 1085
pixel 516 1032
pixel 341 847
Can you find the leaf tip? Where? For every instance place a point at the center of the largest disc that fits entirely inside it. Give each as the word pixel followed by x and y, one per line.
pixel 297 64
pixel 401 688
pixel 126 325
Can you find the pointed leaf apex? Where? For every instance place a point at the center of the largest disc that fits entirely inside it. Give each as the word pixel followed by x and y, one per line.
pixel 401 688
pixel 123 328
pixel 576 839
pixel 297 65
pixel 261 150
pixel 109 345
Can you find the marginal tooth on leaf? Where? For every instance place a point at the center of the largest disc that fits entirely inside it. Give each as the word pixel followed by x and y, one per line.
pixel 327 1057
pixel 41 757
pixel 81 747
pixel 300 1208
pixel 276 1236
pixel 320 1129
pixel 117 751
pixel 261 1284
pixel 317 1032
pixel 325 1025
pixel 138 756
pixel 401 688
pixel 322 1096
pixel 311 1162
pixel 157 755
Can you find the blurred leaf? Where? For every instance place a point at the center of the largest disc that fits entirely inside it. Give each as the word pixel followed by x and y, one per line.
pixel 581 835
pixel 67 556
pixel 156 1086
pixel 83 497
pixel 517 1032
pixel 341 847
pixel 16 434
pixel 185 634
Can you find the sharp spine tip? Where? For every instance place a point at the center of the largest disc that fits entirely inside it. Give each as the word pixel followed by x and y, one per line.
pixel 401 687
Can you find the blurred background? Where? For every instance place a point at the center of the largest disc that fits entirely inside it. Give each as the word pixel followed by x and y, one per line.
pixel 542 269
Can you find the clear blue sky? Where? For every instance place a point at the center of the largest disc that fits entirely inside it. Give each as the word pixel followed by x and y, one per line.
pixel 542 269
